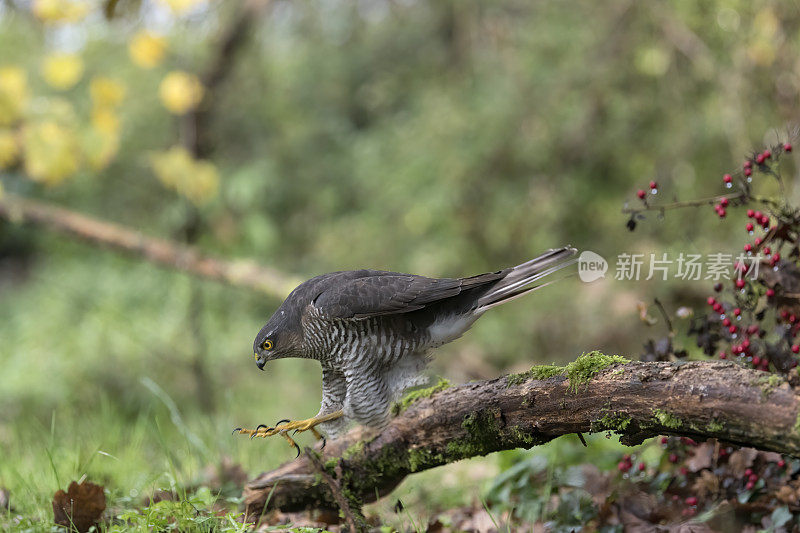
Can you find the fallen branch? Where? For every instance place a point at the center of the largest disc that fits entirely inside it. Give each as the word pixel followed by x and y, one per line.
pixel 241 273
pixel 636 400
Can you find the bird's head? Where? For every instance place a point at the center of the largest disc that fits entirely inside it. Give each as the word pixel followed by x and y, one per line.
pixel 275 341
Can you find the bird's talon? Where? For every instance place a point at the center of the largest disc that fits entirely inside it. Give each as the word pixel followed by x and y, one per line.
pixel 235 430
pixel 284 421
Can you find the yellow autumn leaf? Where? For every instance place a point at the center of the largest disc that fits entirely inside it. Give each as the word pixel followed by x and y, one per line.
pixel 147 50
pixel 106 92
pixel 179 7
pixel 9 150
pixel 50 151
pixel 13 94
pixel 105 120
pixel 55 11
pixel 99 148
pixel 180 92
pixel 178 170
pixel 62 71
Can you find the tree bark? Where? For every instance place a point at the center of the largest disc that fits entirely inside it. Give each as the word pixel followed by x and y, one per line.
pixel 701 400
pixel 241 273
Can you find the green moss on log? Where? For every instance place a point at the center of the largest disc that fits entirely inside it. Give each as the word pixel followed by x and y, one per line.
pixel 715 426
pixel 415 395
pixel 583 369
pixel 768 384
pixel 579 371
pixel 537 372
pixel 666 419
pixel 612 421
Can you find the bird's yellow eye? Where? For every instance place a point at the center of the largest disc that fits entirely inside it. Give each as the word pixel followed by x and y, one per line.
pixel 267 344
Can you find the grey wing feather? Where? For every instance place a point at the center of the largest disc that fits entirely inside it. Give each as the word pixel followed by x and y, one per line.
pixel 383 295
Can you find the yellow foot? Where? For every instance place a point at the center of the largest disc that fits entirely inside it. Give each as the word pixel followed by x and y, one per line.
pixel 284 426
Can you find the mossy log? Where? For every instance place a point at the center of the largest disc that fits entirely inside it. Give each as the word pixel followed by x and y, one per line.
pixel 636 400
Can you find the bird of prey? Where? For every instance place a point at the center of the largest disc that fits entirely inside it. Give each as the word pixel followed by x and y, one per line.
pixel 372 331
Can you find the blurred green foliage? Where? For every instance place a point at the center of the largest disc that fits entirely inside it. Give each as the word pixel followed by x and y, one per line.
pixel 440 138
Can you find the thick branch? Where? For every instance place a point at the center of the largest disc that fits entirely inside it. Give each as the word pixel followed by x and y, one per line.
pixel 638 400
pixel 239 273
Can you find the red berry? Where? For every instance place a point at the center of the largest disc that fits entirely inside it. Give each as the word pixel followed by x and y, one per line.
pixel 717 307
pixel 756 360
pixel 747 164
pixel 726 322
pixel 776 257
pixel 664 440
pixel 795 348
pixel 753 478
pixel 622 466
pixel 757 215
pixel 641 467
pixel 749 226
pixel 750 213
pixel 746 344
pixel 711 300
pixel 691 500
pixel 757 241
pixel 683 470
pixel 641 194
pixel 737 311
pixel 718 287
pixel 770 293
pixel 740 284
pixel 721 212
pixel 760 159
pixel 723 355
pixel 752 329
pixel 787 147
pixel 748 172
pixel 747 472
pixel 653 185
pixel 764 220
pixel 733 329
pixel 792 319
pixel 767 250
pixel 727 178
pixel 724 202
pixel 748 247
pixel 784 314
pixel 673 458
pixel 767 154
pixel 782 463
pixel 749 485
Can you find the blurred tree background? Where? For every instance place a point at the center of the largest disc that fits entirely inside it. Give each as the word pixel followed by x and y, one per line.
pixel 441 138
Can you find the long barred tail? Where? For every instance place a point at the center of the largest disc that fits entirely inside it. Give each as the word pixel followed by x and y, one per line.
pixel 522 279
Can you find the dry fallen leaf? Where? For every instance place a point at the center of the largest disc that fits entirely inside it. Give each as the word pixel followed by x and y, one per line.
pixel 702 457
pixel 741 460
pixel 80 507
pixel 706 485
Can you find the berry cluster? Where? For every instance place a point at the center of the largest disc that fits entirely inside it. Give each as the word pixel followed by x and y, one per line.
pixel 753 320
pixel 687 465
pixel 642 195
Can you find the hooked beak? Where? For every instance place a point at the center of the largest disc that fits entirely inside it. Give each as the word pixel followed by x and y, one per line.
pixel 260 362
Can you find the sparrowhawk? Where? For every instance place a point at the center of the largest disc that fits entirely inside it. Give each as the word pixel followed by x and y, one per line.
pixel 372 331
